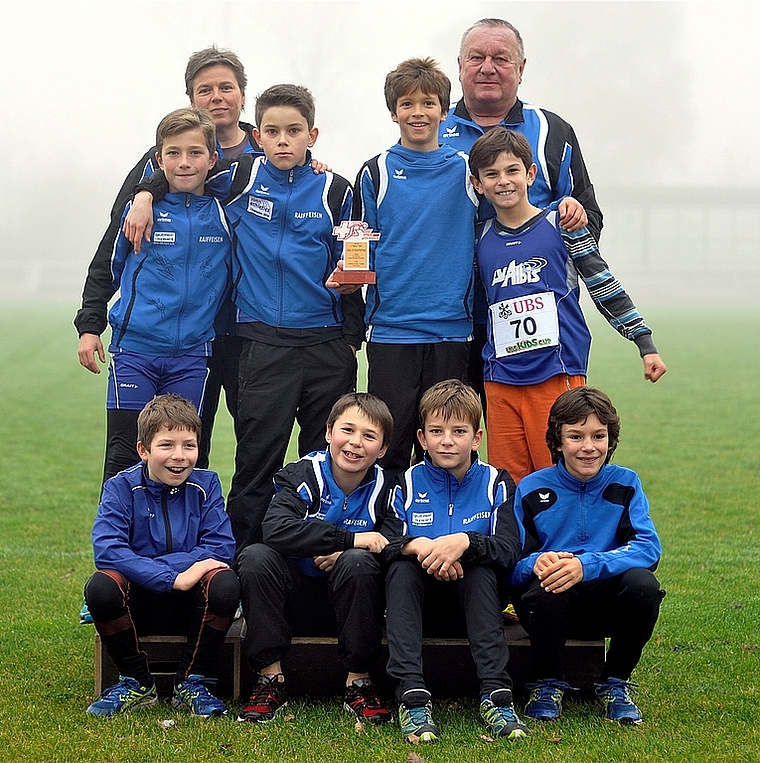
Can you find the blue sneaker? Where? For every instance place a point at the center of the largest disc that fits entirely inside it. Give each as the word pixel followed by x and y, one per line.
pixel 193 694
pixel 616 700
pixel 545 701
pixel 498 711
pixel 123 696
pixel 415 716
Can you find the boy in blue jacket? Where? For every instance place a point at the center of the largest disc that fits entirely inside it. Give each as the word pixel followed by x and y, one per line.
pixel 163 548
pixel 170 292
pixel 451 535
pixel 297 357
pixel 590 549
pixel 318 571
pixel 418 196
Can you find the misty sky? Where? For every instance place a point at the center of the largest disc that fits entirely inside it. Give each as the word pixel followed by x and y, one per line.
pixel 660 94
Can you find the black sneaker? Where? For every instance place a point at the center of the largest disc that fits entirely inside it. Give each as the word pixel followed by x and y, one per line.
pixel 362 699
pixel 268 698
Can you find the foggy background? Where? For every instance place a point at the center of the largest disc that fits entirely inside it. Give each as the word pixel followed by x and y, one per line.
pixel 664 98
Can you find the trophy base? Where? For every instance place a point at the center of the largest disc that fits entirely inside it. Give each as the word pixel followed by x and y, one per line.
pixel 355 276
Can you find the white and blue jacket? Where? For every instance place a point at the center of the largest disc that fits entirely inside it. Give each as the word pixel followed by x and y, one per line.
pixel 429 502
pixel 604 521
pixel 150 532
pixel 171 292
pixel 424 206
pixel 311 516
pixel 556 153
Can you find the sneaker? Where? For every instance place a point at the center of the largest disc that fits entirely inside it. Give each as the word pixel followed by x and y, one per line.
pixel 123 696
pixel 267 699
pixel 617 702
pixel 545 701
pixel 362 699
pixel 498 711
pixel 193 694
pixel 415 716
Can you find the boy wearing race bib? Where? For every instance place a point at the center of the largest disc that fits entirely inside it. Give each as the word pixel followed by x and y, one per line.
pixel 538 341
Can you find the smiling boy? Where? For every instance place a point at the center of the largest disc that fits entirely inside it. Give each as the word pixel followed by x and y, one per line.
pixel 451 535
pixel 418 196
pixel 162 325
pixel 537 340
pixel 163 547
pixel 590 549
pixel 318 571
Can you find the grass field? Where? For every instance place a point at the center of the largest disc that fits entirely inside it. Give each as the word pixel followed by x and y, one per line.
pixel 693 438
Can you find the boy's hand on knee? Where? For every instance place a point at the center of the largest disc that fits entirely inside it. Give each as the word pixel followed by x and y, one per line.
pixel 547 559
pixel 444 554
pixel 190 577
pixel 372 541
pixel 562 575
pixel 326 563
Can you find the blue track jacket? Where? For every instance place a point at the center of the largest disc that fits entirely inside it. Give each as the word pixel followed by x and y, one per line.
pixel 430 502
pixel 424 206
pixel 171 292
pixel 605 521
pixel 311 516
pixel 150 532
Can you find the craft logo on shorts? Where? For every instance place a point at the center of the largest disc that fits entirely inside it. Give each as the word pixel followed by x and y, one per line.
pixel 260 207
pixel 422 518
pixel 164 237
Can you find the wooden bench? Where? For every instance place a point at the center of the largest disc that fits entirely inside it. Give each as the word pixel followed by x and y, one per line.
pixel 312 665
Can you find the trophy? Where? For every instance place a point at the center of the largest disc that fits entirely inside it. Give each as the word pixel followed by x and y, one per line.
pixel 355 236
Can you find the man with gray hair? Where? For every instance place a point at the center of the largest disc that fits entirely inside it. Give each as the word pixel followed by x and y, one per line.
pixel 491 63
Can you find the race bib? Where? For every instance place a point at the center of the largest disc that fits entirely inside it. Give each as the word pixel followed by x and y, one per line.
pixel 524 324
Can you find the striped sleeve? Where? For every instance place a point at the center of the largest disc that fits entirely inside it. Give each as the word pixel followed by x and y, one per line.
pixel 608 294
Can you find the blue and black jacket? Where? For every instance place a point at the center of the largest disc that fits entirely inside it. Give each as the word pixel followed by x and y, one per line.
pixel 311 516
pixel 604 521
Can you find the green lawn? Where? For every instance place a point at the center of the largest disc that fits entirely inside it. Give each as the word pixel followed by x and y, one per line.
pixel 692 437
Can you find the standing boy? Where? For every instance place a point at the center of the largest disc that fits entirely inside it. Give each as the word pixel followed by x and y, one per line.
pixel 163 546
pixel 296 358
pixel 452 536
pixel 169 294
pixel 538 342
pixel 318 570
pixel 590 548
pixel 418 195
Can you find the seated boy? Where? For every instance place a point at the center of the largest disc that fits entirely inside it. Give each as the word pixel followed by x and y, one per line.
pixel 451 536
pixel 318 570
pixel 163 548
pixel 170 293
pixel 538 342
pixel 590 548
pixel 418 195
pixel 296 358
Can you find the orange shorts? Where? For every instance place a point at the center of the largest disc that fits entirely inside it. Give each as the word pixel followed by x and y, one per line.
pixel 516 423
